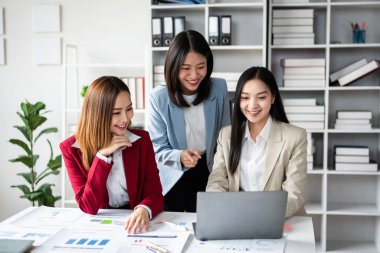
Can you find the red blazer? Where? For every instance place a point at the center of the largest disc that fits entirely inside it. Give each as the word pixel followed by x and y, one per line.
pixel 141 173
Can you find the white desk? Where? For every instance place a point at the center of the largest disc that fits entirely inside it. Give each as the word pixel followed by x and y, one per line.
pixel 299 239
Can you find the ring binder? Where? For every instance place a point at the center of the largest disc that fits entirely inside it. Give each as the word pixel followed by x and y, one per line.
pixel 168 31
pixel 213 27
pixel 156 32
pixel 179 24
pixel 225 31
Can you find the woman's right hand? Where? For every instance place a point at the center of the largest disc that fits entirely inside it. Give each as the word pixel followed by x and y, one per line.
pixel 116 143
pixel 189 158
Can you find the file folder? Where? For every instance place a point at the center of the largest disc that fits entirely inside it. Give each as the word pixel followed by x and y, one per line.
pixel 213 30
pixel 225 31
pixel 168 31
pixel 156 32
pixel 179 25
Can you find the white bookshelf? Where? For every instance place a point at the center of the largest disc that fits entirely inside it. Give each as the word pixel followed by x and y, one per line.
pixel 248 39
pixel 75 75
pixel 345 206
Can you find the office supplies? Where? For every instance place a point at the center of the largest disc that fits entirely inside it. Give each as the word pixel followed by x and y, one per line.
pixel 359 73
pixel 225 31
pixel 156 247
pixel 156 32
pixel 240 215
pixel 213 30
pixel 168 32
pixel 347 69
pixel 15 245
pixel 179 25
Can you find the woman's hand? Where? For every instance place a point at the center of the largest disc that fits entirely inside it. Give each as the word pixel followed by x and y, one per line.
pixel 116 143
pixel 189 158
pixel 138 221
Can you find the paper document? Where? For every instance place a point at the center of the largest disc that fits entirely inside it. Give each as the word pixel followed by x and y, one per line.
pixel 231 246
pixel 39 235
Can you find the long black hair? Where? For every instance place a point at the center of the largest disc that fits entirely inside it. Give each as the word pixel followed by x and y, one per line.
pixel 238 119
pixel 182 44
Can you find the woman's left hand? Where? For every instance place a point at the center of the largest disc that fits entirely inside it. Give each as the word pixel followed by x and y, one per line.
pixel 138 221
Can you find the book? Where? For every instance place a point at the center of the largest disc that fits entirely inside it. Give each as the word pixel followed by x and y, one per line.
pixel 231 85
pixel 293 41
pixel 293 29
pixel 352 126
pixel 304 70
pixel 352 121
pixel 15 245
pixel 352 159
pixel 159 77
pixel 305 109
pixel 309 124
pixel 359 73
pixel 347 69
pixel 132 91
pixel 304 77
pixel 293 21
pixel 299 101
pixel 140 93
pixel 351 150
pixel 344 114
pixel 359 167
pixel 293 13
pixel 310 62
pixel 289 1
pixel 304 83
pixel 293 35
pixel 305 116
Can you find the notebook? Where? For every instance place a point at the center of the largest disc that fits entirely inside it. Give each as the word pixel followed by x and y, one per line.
pixel 240 215
pixel 15 245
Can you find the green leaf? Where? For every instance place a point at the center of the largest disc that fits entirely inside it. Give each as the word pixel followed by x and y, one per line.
pixel 55 163
pixel 36 122
pixel 46 131
pixel 24 188
pixel 22 144
pixel 28 176
pixel 33 196
pixel 25 120
pixel 43 175
pixel 26 160
pixel 25 131
pixel 45 187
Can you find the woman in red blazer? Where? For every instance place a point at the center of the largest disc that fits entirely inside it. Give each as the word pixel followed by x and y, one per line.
pixel 109 164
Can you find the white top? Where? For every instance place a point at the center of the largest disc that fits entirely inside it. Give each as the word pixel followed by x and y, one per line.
pixel 195 124
pixel 252 160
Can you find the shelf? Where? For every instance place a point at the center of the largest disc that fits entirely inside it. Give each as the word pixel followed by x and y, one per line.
pixel 315 171
pixel 300 89
pixel 303 5
pixel 237 47
pixel 315 46
pixel 356 4
pixel 178 6
pixel 353 46
pixel 360 131
pixel 237 5
pixel 364 173
pixel 352 209
pixel 345 88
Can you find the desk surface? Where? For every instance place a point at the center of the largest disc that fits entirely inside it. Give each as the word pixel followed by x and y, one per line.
pixel 299 239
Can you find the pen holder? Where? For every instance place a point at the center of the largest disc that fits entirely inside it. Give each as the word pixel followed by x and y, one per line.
pixel 358 36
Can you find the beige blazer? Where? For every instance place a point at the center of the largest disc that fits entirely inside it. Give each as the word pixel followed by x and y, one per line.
pixel 285 165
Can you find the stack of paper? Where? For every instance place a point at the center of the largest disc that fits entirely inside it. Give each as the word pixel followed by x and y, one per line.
pixel 305 113
pixel 353 119
pixel 308 72
pixel 353 158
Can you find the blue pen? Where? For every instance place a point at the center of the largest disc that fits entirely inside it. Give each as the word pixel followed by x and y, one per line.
pixel 152 249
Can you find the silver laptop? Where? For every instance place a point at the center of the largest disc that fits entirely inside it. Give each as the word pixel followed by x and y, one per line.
pixel 240 215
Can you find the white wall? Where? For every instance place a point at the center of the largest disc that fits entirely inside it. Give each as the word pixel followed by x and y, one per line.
pixel 105 31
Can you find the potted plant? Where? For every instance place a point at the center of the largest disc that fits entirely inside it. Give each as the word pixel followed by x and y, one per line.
pixel 35 191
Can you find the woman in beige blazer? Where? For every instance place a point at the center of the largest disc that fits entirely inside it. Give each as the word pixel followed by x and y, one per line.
pixel 261 151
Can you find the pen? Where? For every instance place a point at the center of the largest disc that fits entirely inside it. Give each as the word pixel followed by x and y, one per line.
pixel 153 250
pixel 153 236
pixel 181 228
pixel 156 247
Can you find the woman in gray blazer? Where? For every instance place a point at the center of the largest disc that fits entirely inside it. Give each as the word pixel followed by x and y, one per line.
pixel 185 117
pixel 261 151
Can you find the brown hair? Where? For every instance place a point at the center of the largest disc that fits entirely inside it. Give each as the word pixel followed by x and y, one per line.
pixel 183 43
pixel 93 131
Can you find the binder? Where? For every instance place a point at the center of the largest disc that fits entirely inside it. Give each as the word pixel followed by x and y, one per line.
pixel 213 30
pixel 168 33
pixel 225 30
pixel 179 25
pixel 156 32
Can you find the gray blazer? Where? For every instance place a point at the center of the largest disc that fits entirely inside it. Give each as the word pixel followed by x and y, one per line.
pixel 285 165
pixel 168 133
